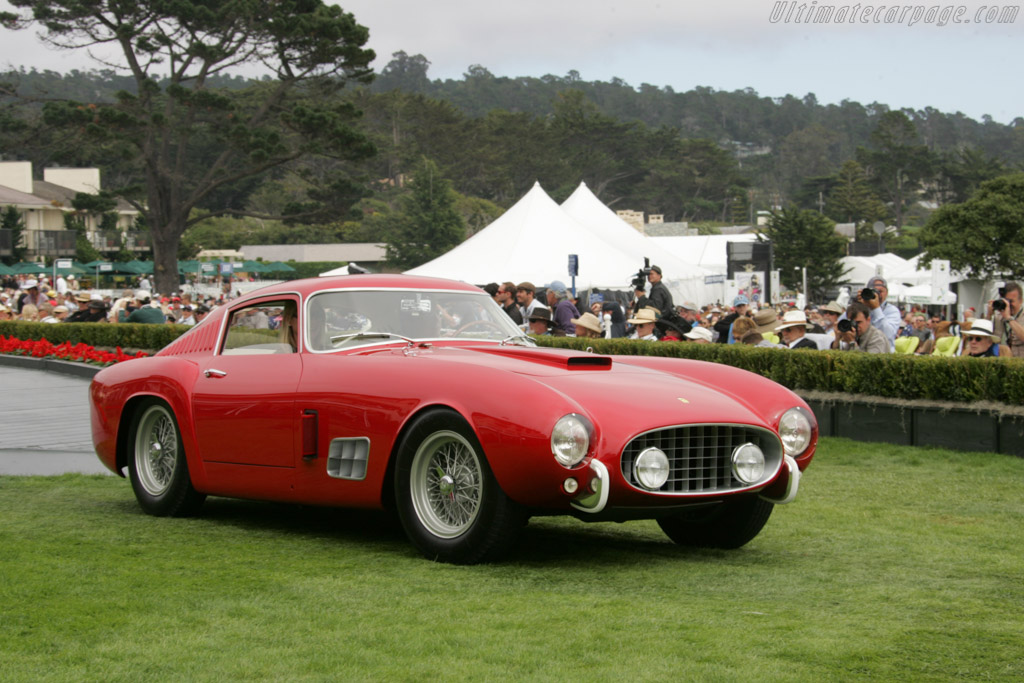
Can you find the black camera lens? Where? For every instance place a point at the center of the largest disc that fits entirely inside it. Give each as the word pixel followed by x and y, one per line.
pixel 998 305
pixel 845 326
pixel 867 294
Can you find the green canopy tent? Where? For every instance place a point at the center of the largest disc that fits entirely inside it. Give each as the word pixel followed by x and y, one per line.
pixel 254 267
pixel 115 268
pixel 278 267
pixel 28 268
pixel 6 270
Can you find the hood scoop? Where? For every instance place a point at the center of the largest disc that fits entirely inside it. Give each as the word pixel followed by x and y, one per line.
pixel 588 361
pixel 571 360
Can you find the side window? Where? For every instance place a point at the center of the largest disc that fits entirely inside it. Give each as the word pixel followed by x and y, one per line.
pixel 263 328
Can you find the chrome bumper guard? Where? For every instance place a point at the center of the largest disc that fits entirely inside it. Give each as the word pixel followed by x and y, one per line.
pixel 595 502
pixel 791 485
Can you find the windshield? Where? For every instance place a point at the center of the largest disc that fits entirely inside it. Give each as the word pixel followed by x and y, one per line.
pixel 348 318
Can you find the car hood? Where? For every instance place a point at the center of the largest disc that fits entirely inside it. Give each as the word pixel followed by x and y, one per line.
pixel 611 390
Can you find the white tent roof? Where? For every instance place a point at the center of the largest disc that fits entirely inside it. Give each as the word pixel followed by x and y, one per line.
pixel 707 251
pixel 587 209
pixel 532 242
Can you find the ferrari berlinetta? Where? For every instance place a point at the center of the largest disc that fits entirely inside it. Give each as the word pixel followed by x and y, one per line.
pixel 422 396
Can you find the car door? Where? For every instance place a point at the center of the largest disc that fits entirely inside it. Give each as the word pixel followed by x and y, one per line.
pixel 244 396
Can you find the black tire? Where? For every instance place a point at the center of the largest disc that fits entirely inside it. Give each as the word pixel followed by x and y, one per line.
pixel 156 463
pixel 730 524
pixel 448 501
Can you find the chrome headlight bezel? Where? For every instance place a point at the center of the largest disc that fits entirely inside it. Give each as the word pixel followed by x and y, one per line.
pixel 652 468
pixel 570 439
pixel 796 431
pixel 748 463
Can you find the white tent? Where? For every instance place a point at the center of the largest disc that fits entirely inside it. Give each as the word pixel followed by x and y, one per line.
pixel 926 294
pixel 706 251
pixel 532 242
pixel 686 281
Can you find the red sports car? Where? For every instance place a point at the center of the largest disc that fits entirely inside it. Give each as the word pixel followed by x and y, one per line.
pixel 422 395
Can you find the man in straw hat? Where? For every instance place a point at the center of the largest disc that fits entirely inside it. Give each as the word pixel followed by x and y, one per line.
pixel 793 330
pixel 587 325
pixel 644 321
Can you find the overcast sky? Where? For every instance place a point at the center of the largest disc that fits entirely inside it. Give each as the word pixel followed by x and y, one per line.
pixel 904 60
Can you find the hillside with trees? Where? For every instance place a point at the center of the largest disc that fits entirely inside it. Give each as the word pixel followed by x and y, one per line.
pixel 700 155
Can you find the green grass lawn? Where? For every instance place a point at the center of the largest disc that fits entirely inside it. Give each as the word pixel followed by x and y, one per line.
pixel 893 564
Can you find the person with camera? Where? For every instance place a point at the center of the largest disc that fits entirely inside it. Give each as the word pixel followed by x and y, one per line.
pixel 857 333
pixel 659 297
pixel 885 317
pixel 1007 315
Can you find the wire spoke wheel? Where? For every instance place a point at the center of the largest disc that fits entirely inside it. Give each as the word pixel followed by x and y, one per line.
pixel 446 484
pixel 157 465
pixel 156 450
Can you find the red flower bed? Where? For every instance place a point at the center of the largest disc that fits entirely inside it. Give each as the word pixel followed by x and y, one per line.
pixel 83 353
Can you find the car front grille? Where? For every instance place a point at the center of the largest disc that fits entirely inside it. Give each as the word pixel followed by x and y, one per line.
pixel 700 456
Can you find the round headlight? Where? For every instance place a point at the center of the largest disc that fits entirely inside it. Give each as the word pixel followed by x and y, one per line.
pixel 748 463
pixel 570 440
pixel 651 468
pixel 795 431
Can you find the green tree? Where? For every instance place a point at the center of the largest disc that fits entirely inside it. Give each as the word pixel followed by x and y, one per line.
pixel 984 235
pixel 805 239
pixel 84 251
pixel 851 199
pixel 430 224
pixel 200 146
pixel 11 219
pixel 897 162
pixel 963 171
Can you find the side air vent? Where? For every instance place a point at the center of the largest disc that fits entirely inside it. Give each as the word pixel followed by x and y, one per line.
pixel 347 458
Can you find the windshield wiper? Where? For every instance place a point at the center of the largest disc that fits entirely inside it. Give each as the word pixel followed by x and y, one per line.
pixel 518 340
pixel 342 338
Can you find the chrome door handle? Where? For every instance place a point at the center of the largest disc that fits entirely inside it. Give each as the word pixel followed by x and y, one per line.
pixel 215 373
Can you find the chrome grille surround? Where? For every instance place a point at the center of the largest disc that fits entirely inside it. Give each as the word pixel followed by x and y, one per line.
pixel 700 457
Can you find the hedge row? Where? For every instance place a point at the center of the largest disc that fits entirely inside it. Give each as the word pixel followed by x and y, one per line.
pixel 934 378
pixel 102 335
pixel 964 380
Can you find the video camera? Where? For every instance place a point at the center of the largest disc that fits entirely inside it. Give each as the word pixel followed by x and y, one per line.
pixel 1000 303
pixel 639 281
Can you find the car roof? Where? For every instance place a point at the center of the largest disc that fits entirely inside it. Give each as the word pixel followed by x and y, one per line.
pixel 310 286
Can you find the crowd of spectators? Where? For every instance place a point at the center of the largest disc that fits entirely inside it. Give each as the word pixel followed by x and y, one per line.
pixel 870 323
pixel 63 300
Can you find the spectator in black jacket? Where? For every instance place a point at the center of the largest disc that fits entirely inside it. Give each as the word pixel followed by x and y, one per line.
pixel 723 327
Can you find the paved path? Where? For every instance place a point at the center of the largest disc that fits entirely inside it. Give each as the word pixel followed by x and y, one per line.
pixel 44 428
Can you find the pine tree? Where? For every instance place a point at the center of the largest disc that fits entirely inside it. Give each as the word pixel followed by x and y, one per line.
pixel 806 239
pixel 430 224
pixel 11 219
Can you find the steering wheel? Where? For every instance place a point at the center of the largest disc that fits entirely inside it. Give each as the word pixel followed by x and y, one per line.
pixel 478 323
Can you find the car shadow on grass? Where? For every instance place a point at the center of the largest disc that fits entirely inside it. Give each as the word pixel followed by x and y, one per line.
pixel 545 541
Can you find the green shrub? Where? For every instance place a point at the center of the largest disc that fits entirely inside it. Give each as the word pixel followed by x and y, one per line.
pixel 963 380
pixel 958 379
pixel 104 335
